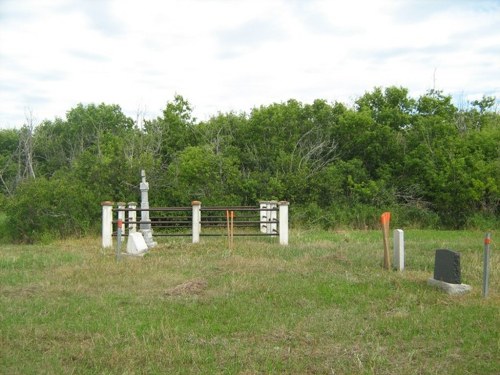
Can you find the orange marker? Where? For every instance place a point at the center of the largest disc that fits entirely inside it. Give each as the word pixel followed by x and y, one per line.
pixel 385 219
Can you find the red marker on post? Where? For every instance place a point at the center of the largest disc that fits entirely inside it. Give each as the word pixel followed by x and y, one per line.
pixel 119 238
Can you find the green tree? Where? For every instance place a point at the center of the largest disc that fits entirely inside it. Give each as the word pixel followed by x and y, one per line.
pixel 199 174
pixel 173 131
pixel 391 107
pixel 9 148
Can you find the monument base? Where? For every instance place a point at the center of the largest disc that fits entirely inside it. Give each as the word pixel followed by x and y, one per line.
pixel 148 238
pixel 452 289
pixel 136 245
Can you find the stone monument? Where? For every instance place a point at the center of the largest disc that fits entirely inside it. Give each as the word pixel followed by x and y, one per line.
pixel 145 225
pixel 447 274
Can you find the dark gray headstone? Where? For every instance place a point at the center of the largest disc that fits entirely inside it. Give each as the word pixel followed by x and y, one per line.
pixel 447 266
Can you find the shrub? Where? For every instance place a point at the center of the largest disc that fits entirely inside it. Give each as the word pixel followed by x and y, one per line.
pixel 54 208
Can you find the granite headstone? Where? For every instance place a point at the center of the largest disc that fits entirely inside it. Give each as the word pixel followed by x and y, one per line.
pixel 447 266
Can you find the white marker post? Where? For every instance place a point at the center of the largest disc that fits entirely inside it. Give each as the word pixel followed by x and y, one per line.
pixel 399 249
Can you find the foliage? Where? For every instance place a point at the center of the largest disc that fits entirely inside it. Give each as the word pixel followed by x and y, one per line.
pixel 58 207
pixel 424 158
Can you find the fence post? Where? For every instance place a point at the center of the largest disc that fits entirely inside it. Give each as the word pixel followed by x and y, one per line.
pixel 107 224
pixel 132 217
pixel 196 221
pixel 283 222
pixel 121 215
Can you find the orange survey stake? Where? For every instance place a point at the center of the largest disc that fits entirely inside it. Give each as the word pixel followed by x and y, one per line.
pixel 385 218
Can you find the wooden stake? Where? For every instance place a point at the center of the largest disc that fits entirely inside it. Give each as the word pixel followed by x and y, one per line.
pixel 232 230
pixel 385 219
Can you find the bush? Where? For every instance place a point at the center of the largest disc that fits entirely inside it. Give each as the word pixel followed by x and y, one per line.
pixel 361 216
pixel 54 208
pixel 410 216
pixel 4 229
pixel 483 221
pixel 358 216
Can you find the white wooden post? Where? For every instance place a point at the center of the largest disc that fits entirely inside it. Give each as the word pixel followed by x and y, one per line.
pixel 132 217
pixel 107 224
pixel 121 215
pixel 196 217
pixel 399 249
pixel 283 222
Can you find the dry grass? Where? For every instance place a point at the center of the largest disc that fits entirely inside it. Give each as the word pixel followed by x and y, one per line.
pixel 322 305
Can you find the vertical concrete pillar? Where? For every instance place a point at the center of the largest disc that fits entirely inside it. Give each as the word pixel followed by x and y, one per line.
pixel 283 222
pixel 399 249
pixel 196 217
pixel 107 224
pixel 132 217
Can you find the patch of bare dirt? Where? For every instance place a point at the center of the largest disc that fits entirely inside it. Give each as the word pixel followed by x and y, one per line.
pixel 190 287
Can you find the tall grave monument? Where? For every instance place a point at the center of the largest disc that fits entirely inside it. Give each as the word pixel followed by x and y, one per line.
pixel 145 225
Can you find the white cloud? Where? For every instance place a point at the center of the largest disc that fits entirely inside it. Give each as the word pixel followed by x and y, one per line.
pixel 233 55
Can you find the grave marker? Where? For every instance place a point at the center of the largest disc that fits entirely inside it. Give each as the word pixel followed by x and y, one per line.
pixel 145 224
pixel 399 249
pixel 136 245
pixel 447 266
pixel 447 274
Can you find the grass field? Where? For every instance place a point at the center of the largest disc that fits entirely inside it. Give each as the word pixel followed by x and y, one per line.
pixel 322 305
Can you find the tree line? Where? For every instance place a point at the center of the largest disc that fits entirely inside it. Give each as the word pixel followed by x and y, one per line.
pixel 429 162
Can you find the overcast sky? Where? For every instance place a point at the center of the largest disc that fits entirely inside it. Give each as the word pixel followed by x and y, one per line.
pixel 233 55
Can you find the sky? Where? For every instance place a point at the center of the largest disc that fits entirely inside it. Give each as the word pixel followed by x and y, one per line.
pixel 234 55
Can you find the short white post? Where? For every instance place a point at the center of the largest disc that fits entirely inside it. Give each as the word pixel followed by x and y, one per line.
pixel 107 224
pixel 283 222
pixel 121 215
pixel 132 217
pixel 196 217
pixel 399 249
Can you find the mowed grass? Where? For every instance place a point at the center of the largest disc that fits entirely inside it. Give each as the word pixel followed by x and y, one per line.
pixel 322 305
